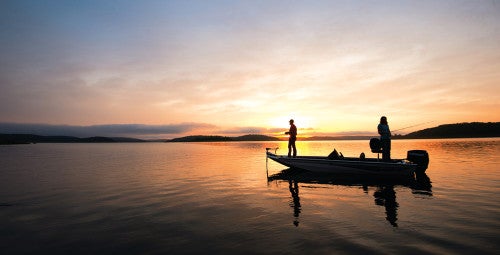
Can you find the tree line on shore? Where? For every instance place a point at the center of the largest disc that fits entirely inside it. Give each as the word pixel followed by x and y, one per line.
pixel 459 130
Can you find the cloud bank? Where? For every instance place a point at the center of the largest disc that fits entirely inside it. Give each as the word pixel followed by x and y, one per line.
pixel 157 131
pixel 335 66
pixel 112 130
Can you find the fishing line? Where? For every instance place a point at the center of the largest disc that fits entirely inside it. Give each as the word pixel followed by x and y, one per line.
pixel 412 126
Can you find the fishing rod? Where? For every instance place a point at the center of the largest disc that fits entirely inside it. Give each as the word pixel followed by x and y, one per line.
pixel 412 126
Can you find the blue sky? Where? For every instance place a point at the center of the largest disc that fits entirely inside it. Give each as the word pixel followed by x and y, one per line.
pixel 225 67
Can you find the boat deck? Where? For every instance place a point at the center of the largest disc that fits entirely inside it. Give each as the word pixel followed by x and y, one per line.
pixel 346 165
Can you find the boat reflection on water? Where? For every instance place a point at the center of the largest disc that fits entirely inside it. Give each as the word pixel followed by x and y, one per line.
pixel 384 195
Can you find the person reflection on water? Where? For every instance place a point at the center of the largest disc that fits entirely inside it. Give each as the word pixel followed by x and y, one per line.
pixel 291 140
pixel 294 190
pixel 385 138
pixel 386 196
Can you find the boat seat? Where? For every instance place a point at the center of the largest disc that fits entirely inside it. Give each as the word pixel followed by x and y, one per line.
pixel 376 146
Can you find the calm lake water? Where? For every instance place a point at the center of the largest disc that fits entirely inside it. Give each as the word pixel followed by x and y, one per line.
pixel 199 198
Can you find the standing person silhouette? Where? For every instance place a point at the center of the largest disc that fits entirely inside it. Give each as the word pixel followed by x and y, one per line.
pixel 291 140
pixel 385 138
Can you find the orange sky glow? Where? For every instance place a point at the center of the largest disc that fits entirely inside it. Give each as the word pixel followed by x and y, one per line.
pixel 238 67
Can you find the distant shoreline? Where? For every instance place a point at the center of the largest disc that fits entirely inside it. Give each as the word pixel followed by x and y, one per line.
pixel 202 139
pixel 448 131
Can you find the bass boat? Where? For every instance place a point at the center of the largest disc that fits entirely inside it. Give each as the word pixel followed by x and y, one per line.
pixel 335 163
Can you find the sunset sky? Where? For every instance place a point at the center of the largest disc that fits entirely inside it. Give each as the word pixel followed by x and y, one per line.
pixel 173 68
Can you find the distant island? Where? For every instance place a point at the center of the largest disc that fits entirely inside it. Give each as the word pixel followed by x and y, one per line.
pixel 459 130
pixel 203 138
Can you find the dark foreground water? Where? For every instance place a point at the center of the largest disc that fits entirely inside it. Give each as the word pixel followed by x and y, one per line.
pixel 200 198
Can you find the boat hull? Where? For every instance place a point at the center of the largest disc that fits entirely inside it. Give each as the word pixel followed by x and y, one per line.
pixel 346 166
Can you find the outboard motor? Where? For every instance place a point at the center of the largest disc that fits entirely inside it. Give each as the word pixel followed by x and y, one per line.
pixel 419 157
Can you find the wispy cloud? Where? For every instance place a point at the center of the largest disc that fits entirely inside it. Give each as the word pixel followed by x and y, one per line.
pixel 158 131
pixel 113 130
pixel 335 66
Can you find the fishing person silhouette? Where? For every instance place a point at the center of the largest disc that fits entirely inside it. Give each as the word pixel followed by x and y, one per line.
pixel 292 132
pixel 385 138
